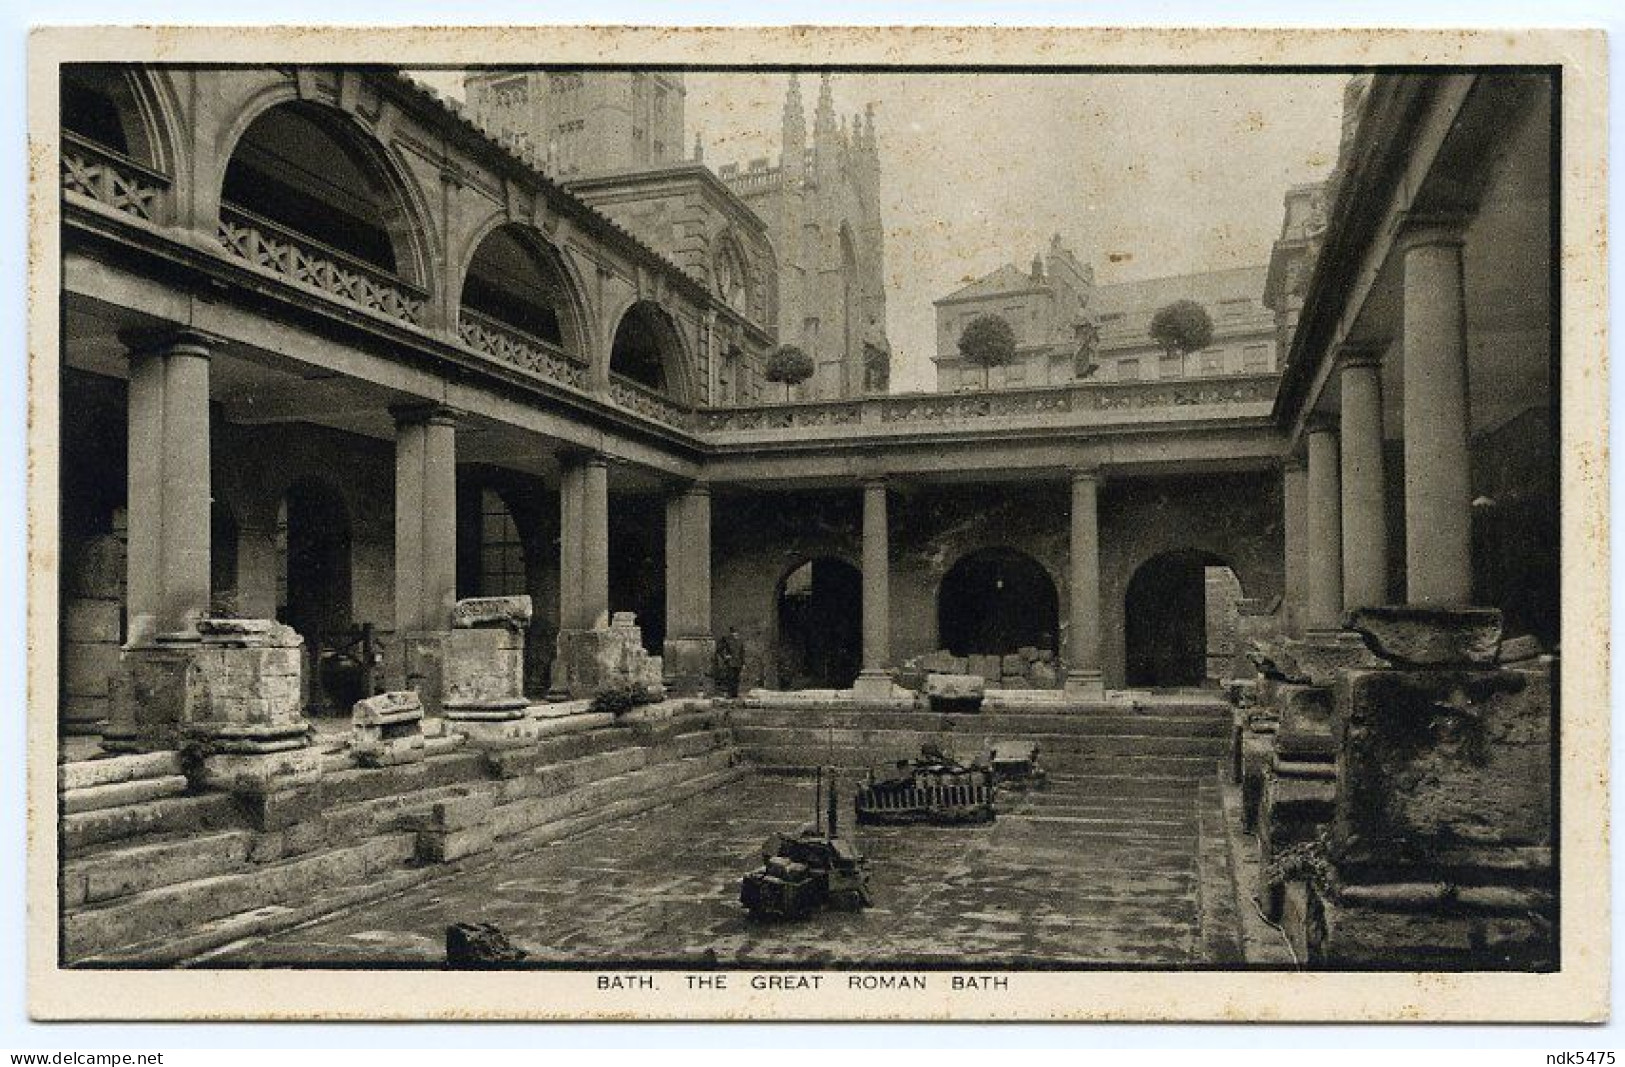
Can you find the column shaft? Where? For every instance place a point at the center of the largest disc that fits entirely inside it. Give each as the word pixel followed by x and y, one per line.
pixel 570 546
pixel 425 520
pixel 1295 505
pixel 1438 494
pixel 1325 586
pixel 1365 525
pixel 876 581
pixel 169 499
pixel 1083 648
pixel 594 541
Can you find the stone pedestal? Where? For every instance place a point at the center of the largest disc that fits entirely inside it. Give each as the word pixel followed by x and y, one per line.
pixel 388 730
pixel 606 657
pixel 484 671
pixel 231 689
pixel 872 686
pixel 1084 687
pixel 1299 786
pixel 1440 843
pixel 688 663
pixel 419 666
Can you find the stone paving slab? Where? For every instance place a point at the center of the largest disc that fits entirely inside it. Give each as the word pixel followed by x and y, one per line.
pixel 1122 886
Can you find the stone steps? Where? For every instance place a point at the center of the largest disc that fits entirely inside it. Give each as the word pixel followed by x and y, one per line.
pixel 781 758
pixel 124 870
pixel 208 811
pixel 164 895
pixel 976 728
pixel 889 744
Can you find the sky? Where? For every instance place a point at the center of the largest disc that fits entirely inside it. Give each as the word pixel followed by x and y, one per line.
pixel 1142 174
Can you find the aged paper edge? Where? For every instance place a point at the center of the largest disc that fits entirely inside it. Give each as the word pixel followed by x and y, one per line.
pixel 1578 993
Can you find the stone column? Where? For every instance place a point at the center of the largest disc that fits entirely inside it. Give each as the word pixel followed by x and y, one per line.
pixel 874 682
pixel 425 543
pixel 1324 607
pixel 569 546
pixel 1438 493
pixel 168 505
pixel 1295 505
pixel 1083 629
pixel 594 541
pixel 1365 525
pixel 690 646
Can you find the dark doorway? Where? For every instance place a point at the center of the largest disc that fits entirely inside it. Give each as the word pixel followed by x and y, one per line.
pixel 637 563
pixel 995 601
pixel 820 625
pixel 313 589
pixel 1169 626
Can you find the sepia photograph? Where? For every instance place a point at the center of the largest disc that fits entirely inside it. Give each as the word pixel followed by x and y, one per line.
pixel 710 531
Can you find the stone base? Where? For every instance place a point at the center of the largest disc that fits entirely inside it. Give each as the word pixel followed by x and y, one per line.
pixel 421 668
pixel 483 668
pixel 687 663
pixel 260 774
pixel 1321 654
pixel 1429 926
pixel 591 661
pixel 488 735
pixel 1084 686
pixel 872 686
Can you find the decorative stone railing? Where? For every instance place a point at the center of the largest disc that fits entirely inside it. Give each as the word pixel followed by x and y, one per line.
pixel 1158 399
pixel 111 178
pixel 753 181
pixel 641 400
pixel 514 347
pixel 306 261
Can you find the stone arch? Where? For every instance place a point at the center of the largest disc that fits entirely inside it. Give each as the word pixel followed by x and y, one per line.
pixel 647 347
pixel 521 248
pixel 996 600
pixel 390 222
pixel 734 281
pixel 1168 628
pixel 133 112
pixel 818 623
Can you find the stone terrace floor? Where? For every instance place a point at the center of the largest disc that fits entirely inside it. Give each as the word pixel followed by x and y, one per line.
pixel 1067 876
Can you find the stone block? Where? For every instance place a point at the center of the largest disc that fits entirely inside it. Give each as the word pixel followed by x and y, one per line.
pixel 422 668
pixel 460 812
pixel 955 692
pixel 484 674
pixel 491 734
pixel 281 809
pixel 590 661
pixel 387 708
pixel 1013 664
pixel 506 612
pixel 1305 729
pixel 445 846
pixel 89 620
pixel 260 773
pixel 120 794
pixel 1416 636
pixel 1429 759
pixel 87 669
pixel 989 667
pixel 1429 926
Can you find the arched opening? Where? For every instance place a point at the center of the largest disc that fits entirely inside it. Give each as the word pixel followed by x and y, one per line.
pixel 647 350
pixel 637 563
pixel 90 107
pixel 302 168
pixel 820 612
pixel 313 591
pixel 996 601
pixel 732 276
pixel 1179 620
pixel 516 282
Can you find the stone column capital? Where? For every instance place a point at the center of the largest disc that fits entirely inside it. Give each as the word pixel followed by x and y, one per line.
pixel 581 457
pixel 875 481
pixel 1356 354
pixel 1320 422
pixel 181 341
pixel 1422 230
pixel 422 413
pixel 1084 475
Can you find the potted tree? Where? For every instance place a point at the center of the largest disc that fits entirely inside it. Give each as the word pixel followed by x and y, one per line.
pixel 1182 327
pixel 790 366
pixel 987 342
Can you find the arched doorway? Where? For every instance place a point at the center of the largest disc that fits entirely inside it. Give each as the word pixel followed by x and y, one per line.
pixel 647 350
pixel 303 168
pixel 1179 620
pixel 820 613
pixel 313 590
pixel 995 601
